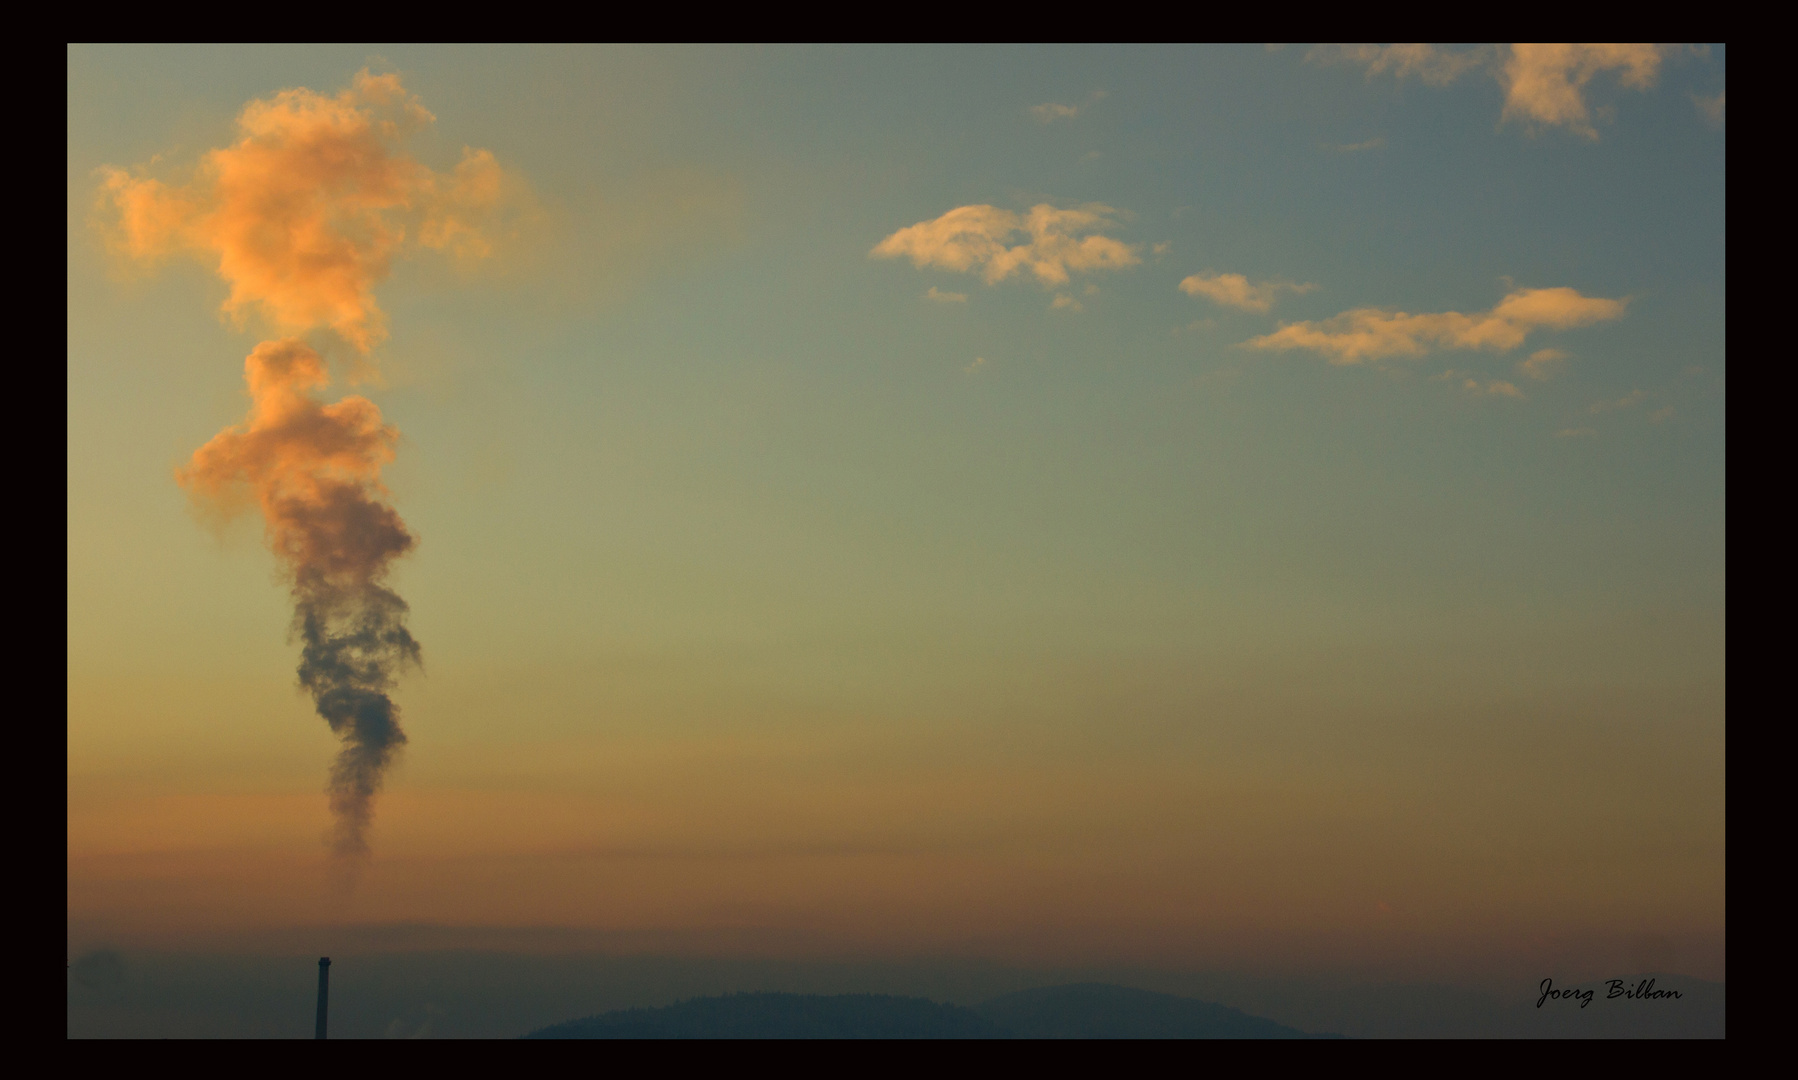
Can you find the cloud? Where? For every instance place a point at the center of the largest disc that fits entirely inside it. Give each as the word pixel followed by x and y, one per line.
pixel 1234 290
pixel 1049 112
pixel 934 293
pixel 1495 388
pixel 1661 414
pixel 1711 108
pixel 1627 401
pixel 1366 334
pixel 1435 66
pixel 1544 81
pixel 979 362
pixel 1057 243
pixel 1542 364
pixel 1352 148
pixel 1064 302
pixel 305 213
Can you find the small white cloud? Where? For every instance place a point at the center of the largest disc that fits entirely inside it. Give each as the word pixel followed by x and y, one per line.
pixel 979 362
pixel 1050 112
pixel 946 297
pixel 1064 302
pixel 1162 248
pixel 1661 414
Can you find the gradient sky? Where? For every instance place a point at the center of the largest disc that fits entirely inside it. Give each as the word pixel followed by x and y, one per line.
pixel 782 598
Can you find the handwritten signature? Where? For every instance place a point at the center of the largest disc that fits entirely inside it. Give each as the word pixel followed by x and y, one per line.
pixel 1644 989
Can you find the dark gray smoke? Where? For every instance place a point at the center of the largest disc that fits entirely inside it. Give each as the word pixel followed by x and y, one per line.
pixel 348 663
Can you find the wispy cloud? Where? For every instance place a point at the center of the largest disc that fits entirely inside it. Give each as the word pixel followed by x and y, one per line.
pixel 979 362
pixel 1711 108
pixel 1495 388
pixel 1235 290
pixel 1056 243
pixel 934 293
pixel 1064 302
pixel 1543 364
pixel 1473 386
pixel 1367 334
pixel 1627 401
pixel 1049 111
pixel 1435 66
pixel 1544 83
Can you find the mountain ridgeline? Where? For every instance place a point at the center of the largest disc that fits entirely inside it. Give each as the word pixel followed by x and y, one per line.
pixel 1081 1011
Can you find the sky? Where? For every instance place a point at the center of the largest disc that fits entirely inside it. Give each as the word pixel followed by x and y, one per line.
pixel 1219 509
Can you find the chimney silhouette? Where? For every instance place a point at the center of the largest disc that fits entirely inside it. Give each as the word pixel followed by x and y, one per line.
pixel 324 993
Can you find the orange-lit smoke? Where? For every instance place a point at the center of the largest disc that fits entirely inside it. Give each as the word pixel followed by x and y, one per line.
pixel 306 211
pixel 314 470
pixel 302 216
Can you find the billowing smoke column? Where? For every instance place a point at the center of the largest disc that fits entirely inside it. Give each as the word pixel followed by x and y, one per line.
pixel 301 217
pixel 315 472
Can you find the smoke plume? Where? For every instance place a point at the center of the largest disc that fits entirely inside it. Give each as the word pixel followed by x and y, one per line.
pixel 301 217
pixel 314 471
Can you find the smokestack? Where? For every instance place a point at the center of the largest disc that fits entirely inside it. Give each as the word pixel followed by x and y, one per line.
pixel 324 993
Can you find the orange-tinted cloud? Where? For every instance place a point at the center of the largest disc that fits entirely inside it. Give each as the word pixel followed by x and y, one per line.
pixel 1543 363
pixel 1058 243
pixel 1544 81
pixel 1367 334
pixel 307 210
pixel 1235 290
pixel 1711 108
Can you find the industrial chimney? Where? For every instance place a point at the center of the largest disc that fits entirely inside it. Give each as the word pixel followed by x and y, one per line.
pixel 324 993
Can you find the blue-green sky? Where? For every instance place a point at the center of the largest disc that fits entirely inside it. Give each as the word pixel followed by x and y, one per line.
pixel 768 603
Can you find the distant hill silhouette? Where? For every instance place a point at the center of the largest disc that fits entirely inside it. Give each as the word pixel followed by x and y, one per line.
pixel 784 1016
pixel 1082 1011
pixel 1102 1011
